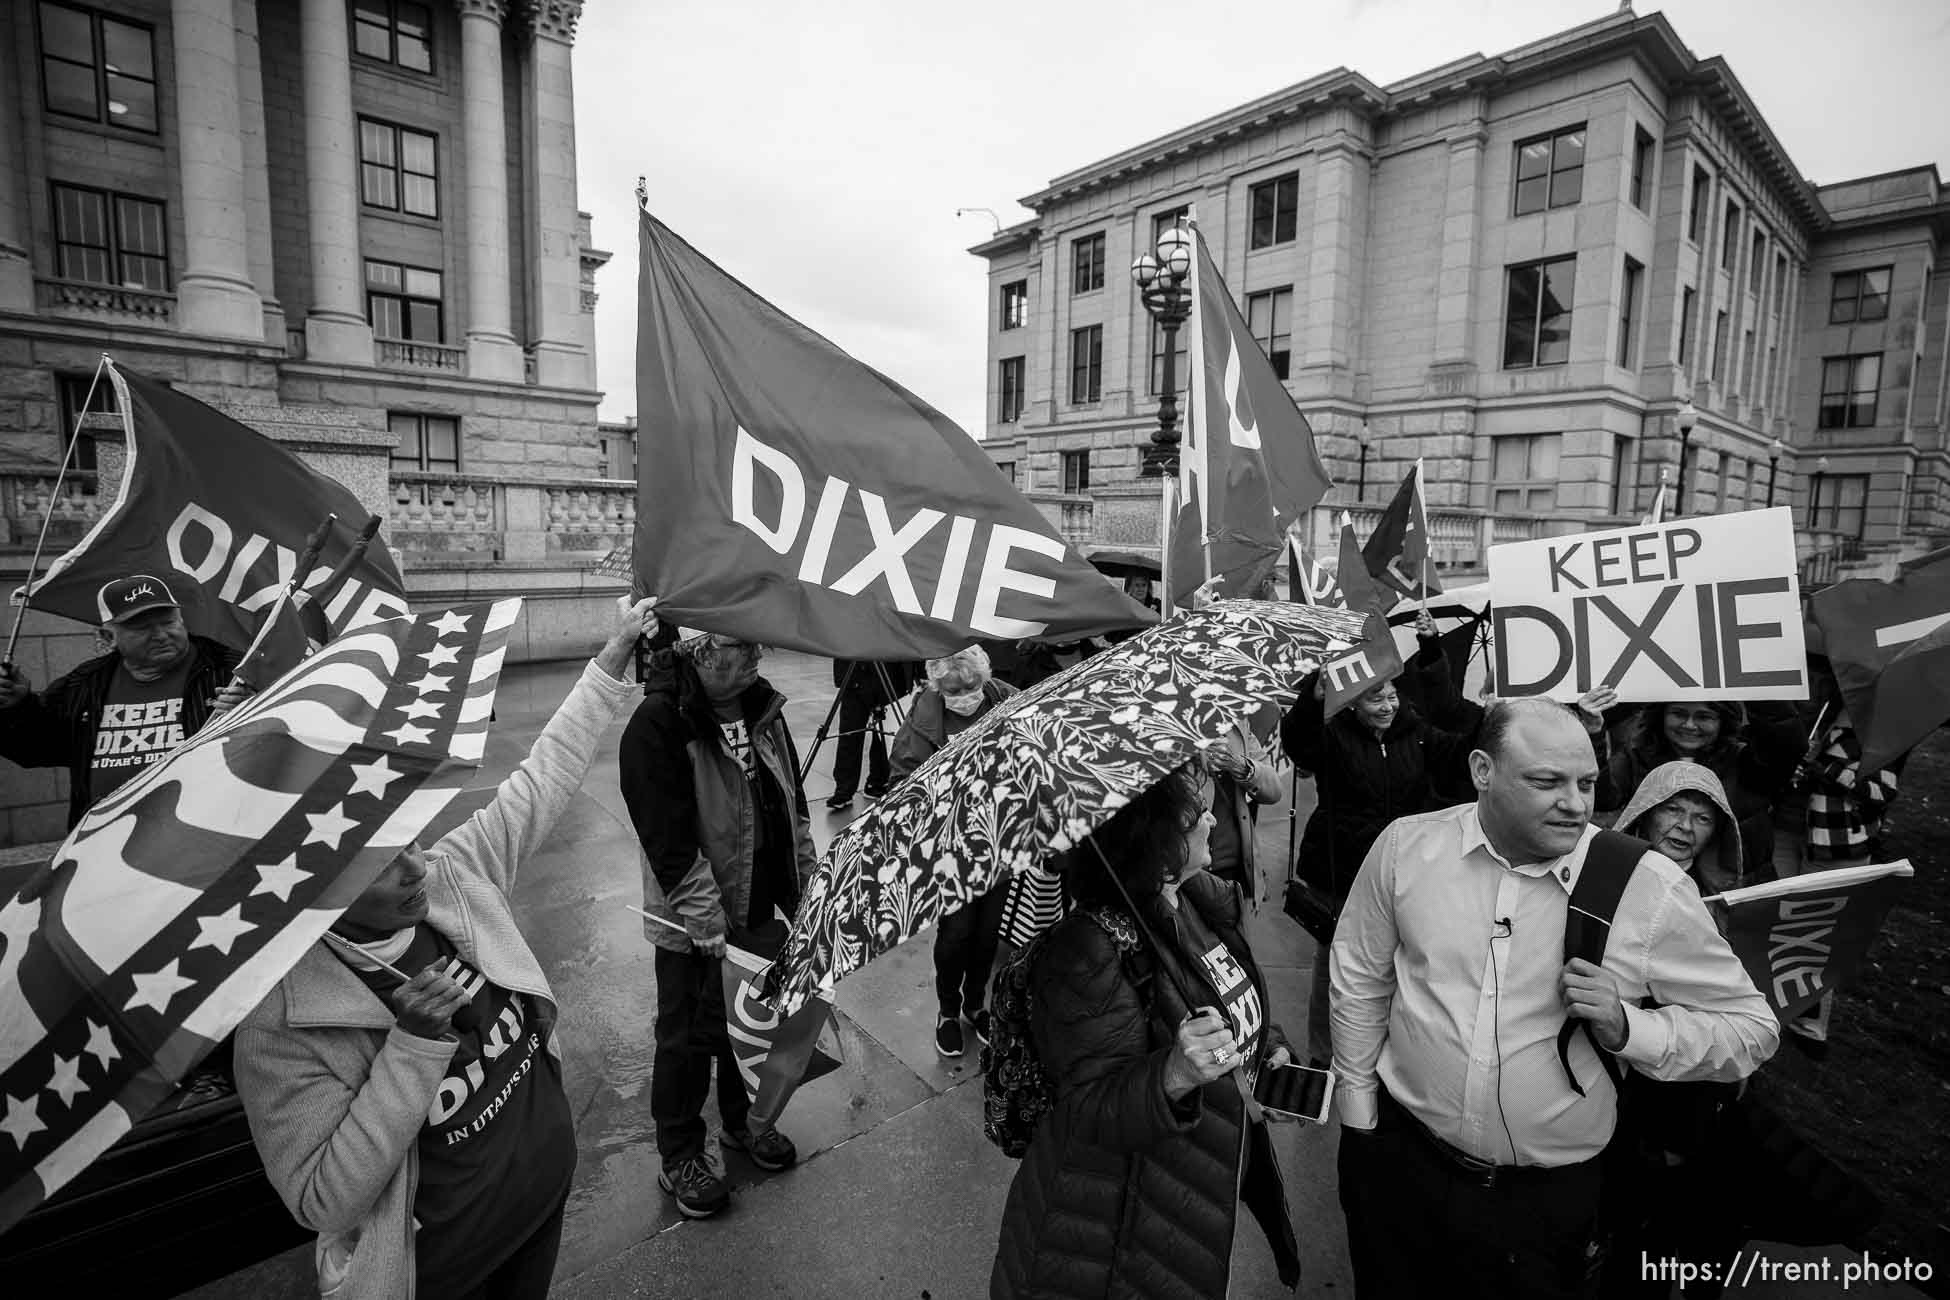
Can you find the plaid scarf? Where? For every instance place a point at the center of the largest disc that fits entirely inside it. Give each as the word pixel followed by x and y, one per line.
pixel 1845 810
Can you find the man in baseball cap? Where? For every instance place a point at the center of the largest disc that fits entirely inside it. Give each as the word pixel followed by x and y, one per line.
pixel 116 714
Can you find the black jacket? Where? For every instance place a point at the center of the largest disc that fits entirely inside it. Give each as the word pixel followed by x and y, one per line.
pixel 57 727
pixel 1122 1192
pixel 1365 781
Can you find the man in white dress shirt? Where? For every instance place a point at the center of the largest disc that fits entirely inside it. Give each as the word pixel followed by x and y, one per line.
pixel 1468 1163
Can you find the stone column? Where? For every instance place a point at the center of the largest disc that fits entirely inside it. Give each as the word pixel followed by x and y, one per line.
pixel 257 170
pixel 1461 223
pixel 492 352
pixel 16 263
pixel 1335 231
pixel 214 295
pixel 554 245
pixel 336 329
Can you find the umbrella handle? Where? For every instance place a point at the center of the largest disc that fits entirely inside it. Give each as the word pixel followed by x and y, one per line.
pixel 1185 995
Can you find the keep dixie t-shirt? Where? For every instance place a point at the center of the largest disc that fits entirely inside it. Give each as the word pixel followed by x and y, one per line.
pixel 498 1151
pixel 1237 995
pixel 140 722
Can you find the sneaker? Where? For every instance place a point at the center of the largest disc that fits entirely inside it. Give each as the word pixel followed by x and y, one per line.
pixel 696 1187
pixel 874 789
pixel 979 1022
pixel 770 1150
pixel 947 1036
pixel 839 802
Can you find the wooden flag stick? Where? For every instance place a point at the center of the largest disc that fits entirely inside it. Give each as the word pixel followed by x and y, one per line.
pixel 60 476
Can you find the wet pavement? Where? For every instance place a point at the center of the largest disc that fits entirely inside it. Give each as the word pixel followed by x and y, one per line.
pixel 898 1193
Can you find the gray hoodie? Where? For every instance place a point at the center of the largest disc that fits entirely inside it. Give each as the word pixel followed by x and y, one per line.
pixel 1719 867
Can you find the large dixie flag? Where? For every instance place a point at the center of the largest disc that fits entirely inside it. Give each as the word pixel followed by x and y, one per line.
pixel 181 899
pixel 1248 467
pixel 1889 643
pixel 791 495
pixel 1802 936
pixel 775 1055
pixel 1695 609
pixel 221 513
pixel 1397 552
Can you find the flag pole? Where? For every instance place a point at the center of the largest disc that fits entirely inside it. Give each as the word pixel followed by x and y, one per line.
pixel 60 476
pixel 313 545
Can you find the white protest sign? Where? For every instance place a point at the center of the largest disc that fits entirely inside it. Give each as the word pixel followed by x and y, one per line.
pixel 1695 609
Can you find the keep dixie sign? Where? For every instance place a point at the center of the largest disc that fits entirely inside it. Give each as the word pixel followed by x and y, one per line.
pixel 1697 609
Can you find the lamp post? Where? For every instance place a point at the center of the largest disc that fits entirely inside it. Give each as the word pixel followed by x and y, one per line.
pixel 1365 438
pixel 1686 418
pixel 1814 493
pixel 1773 464
pixel 1163 280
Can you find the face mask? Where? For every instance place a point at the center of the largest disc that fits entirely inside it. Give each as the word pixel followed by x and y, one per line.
pixel 963 704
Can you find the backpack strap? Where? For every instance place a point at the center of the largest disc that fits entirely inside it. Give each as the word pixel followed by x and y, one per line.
pixel 1608 867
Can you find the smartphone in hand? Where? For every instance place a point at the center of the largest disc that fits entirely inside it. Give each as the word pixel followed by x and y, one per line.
pixel 1299 1091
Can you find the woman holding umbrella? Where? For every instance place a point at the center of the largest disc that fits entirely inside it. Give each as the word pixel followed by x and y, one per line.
pixel 1149 1014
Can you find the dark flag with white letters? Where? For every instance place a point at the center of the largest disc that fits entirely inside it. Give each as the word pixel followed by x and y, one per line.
pixel 221 513
pixel 788 494
pixel 184 896
pixel 1375 660
pixel 1802 936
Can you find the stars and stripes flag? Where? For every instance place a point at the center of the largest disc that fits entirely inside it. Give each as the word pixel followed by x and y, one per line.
pixel 180 900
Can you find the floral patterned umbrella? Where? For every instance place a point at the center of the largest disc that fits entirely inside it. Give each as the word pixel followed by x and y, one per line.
pixel 1042 770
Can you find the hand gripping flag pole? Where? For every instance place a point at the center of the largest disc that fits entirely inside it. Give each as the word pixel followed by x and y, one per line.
pixel 47 518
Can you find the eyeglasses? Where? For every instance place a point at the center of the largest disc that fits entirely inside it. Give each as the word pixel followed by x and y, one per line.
pixel 709 652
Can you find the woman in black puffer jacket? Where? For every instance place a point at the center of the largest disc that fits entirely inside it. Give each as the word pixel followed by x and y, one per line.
pixel 1132 1184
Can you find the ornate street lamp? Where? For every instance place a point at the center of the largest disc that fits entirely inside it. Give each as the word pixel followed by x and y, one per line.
pixel 1687 418
pixel 1774 450
pixel 1163 280
pixel 1361 482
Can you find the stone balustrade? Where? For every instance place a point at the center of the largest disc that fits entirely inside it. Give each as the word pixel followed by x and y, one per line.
pixel 86 299
pixel 474 518
pixel 26 496
pixel 399 354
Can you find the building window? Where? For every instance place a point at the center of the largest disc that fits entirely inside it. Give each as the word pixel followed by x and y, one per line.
pixel 1688 305
pixel 1008 470
pixel 394 31
pixel 1087 264
pixel 1839 503
pixel 397 169
pixel 108 238
pixel 1780 281
pixel 426 443
pixel 1747 355
pixel 1550 170
pixel 1179 366
pixel 1087 364
pixel 1163 221
pixel 1537 314
pixel 403 302
pixel 1756 263
pixel 1270 317
pixel 1623 472
pixel 1696 215
pixel 1856 296
pixel 1523 473
pixel 1276 211
pixel 1015 304
pixel 74 394
pixel 1773 370
pixel 1719 370
pixel 1009 408
pixel 98 68
pixel 1729 235
pixel 1628 311
pixel 1076 472
pixel 1848 391
pixel 1641 169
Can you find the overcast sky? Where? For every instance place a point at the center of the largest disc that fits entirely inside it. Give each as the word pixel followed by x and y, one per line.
pixel 819 151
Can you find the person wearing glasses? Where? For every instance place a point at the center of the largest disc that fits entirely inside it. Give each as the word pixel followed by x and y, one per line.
pixel 711 778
